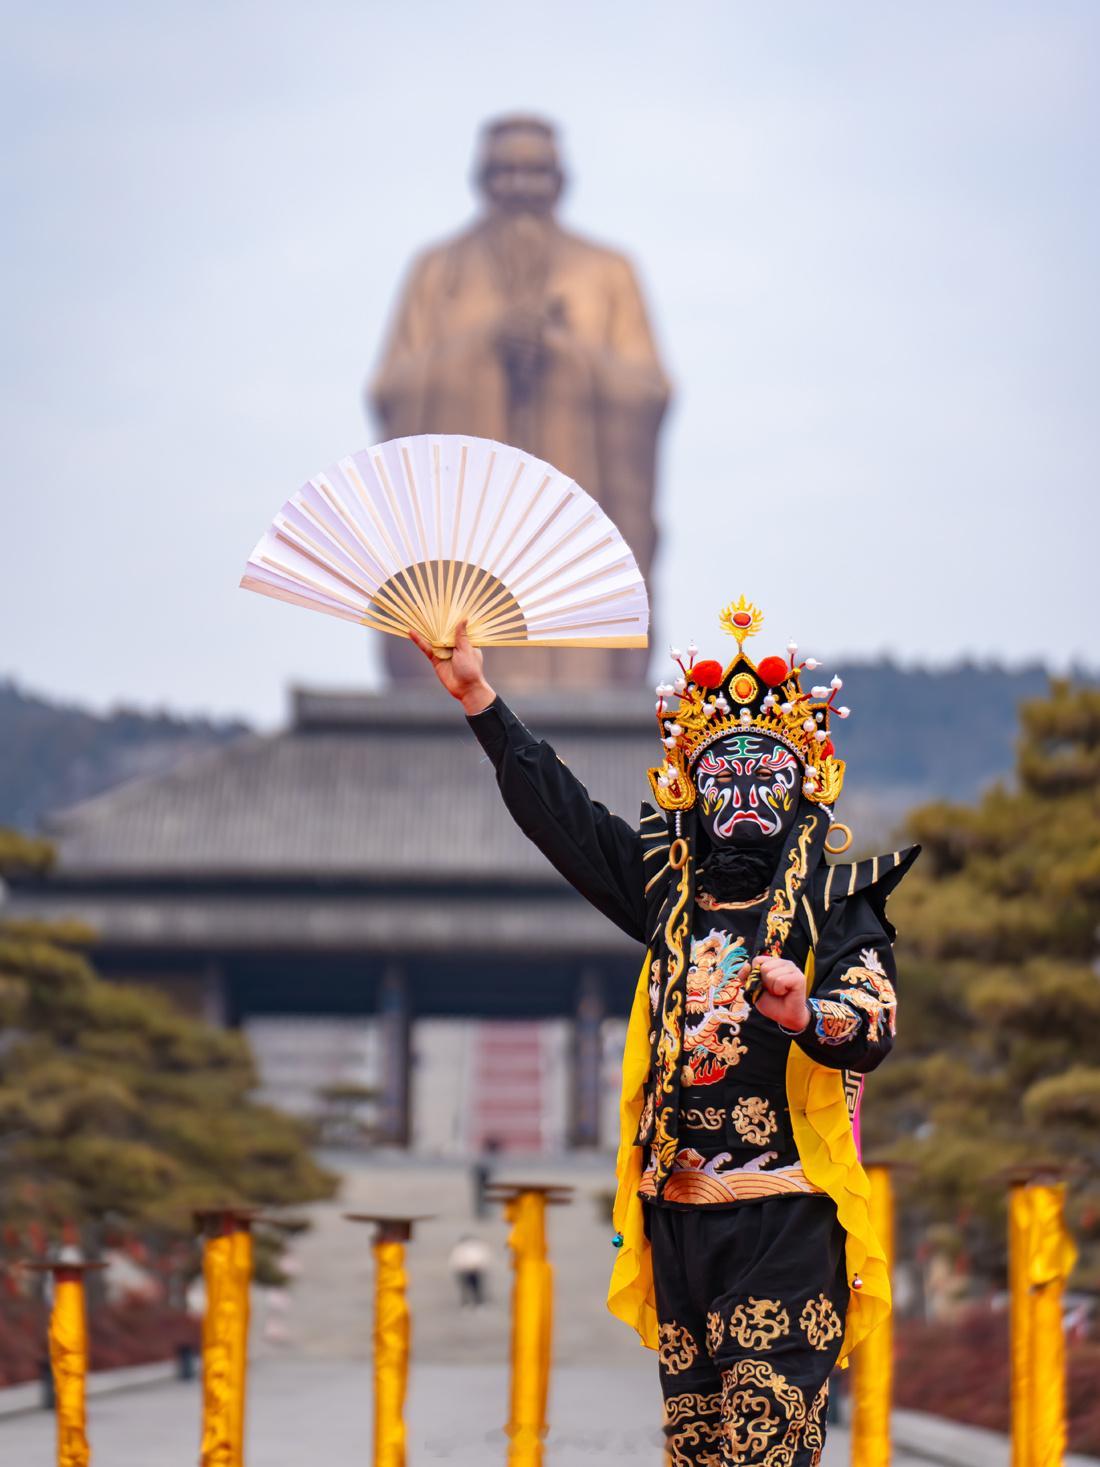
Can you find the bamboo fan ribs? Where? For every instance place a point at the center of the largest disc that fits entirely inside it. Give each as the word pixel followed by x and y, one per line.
pixel 422 533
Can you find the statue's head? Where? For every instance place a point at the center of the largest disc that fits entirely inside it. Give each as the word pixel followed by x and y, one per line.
pixel 748 788
pixel 519 170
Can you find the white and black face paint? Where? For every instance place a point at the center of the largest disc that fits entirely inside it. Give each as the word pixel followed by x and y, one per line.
pixel 748 789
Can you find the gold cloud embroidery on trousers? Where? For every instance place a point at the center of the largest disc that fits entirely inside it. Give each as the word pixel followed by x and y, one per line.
pixel 677 1350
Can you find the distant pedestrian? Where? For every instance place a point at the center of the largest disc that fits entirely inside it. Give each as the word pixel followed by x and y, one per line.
pixel 481 1174
pixel 469 1262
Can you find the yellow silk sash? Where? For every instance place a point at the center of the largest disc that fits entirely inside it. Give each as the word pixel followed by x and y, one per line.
pixel 823 1135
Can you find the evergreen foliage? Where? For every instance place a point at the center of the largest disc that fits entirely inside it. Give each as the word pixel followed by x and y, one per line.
pixel 116 1106
pixel 998 1054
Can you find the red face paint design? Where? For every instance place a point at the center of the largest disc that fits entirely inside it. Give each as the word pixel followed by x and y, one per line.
pixel 748 788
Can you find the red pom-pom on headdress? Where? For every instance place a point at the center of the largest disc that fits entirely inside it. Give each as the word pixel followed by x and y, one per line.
pixel 707 674
pixel 773 671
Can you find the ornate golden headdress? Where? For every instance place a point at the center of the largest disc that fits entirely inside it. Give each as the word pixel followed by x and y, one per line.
pixel 764 697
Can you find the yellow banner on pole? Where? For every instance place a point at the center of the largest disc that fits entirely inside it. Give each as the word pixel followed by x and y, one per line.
pixel 242 1285
pixel 1019 1286
pixel 69 1361
pixel 1050 1263
pixel 227 1276
pixel 873 1359
pixel 532 1329
pixel 391 1353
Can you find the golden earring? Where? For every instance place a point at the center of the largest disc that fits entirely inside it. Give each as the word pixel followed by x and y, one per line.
pixel 846 837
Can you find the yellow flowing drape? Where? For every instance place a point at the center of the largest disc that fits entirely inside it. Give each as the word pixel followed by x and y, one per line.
pixel 1051 1259
pixel 823 1134
pixel 532 1329
pixel 1019 1265
pixel 872 1389
pixel 227 1274
pixel 391 1353
pixel 630 1295
pixel 69 1360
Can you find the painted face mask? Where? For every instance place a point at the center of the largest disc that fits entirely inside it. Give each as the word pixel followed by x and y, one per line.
pixel 747 787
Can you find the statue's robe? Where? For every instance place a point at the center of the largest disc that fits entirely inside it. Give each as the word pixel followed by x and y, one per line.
pixel 594 408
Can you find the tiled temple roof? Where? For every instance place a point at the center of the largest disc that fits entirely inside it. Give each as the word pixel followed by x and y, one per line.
pixel 367 788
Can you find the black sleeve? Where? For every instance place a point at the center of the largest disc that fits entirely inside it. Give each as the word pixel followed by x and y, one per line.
pixel 853 1006
pixel 597 853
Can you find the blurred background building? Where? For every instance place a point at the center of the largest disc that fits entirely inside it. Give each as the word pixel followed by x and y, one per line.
pixel 352 894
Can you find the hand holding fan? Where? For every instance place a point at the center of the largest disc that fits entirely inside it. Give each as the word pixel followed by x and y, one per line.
pixel 421 533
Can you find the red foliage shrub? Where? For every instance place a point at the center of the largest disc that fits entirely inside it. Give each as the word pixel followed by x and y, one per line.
pixel 961 1370
pixel 127 1333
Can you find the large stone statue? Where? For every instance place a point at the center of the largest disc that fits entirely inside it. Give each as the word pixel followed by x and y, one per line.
pixel 518 330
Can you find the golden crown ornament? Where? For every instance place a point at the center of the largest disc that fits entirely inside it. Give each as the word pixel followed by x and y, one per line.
pixel 745 697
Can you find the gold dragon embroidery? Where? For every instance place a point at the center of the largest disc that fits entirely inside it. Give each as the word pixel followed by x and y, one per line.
pixel 754 1120
pixel 670 1043
pixel 756 1324
pixel 820 1322
pixel 785 902
pixel 874 995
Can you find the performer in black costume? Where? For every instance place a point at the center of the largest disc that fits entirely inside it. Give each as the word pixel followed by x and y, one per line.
pixel 746 1255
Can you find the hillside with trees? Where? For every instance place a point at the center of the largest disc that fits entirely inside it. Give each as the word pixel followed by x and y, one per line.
pixel 55 755
pixel 913 735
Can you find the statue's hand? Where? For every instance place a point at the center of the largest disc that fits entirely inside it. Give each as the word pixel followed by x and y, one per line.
pixel 519 338
pixel 520 327
pixel 462 674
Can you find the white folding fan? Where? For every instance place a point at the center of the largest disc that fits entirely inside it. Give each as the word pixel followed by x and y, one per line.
pixel 423 532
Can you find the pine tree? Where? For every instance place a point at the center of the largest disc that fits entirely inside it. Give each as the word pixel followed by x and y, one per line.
pixel 116 1106
pixel 998 1056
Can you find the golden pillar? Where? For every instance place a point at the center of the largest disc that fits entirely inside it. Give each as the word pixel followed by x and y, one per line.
pixel 69 1358
pixel 1019 1287
pixel 1051 1257
pixel 227 1276
pixel 392 1335
pixel 873 1361
pixel 532 1317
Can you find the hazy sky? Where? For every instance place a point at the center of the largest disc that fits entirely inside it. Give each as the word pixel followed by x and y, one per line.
pixel 868 235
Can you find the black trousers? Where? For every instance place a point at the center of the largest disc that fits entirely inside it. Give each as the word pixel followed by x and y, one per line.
pixel 751 1302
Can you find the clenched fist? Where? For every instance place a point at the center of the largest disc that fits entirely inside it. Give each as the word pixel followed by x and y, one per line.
pixel 783 993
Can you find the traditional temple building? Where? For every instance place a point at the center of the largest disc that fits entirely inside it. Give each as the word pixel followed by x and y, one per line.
pixel 352 892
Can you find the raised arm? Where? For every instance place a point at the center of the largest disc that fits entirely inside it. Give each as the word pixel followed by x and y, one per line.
pixel 598 854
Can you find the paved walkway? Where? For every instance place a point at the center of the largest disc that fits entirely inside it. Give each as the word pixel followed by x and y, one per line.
pixel 329 1309
pixel 311 1411
pixel 309 1396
